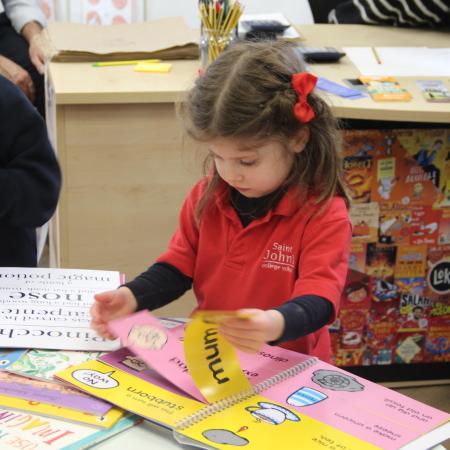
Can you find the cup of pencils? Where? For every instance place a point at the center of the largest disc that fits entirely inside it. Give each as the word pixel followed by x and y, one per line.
pixel 219 20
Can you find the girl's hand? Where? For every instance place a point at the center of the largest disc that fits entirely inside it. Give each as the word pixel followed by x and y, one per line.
pixel 111 305
pixel 251 333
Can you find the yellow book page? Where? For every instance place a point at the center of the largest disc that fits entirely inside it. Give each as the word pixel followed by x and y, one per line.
pixel 259 424
pixel 130 392
pixel 212 361
pixel 47 409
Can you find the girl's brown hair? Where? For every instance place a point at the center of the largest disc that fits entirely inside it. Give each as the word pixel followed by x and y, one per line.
pixel 247 93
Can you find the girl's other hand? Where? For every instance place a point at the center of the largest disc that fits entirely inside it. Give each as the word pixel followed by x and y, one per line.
pixel 111 305
pixel 250 333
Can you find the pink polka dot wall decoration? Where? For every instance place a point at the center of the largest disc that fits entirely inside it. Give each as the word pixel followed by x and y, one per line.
pixel 93 18
pixel 48 8
pixel 109 12
pixel 120 4
pixel 118 20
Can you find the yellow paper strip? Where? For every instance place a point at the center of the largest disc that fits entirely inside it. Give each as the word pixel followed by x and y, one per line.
pixel 212 362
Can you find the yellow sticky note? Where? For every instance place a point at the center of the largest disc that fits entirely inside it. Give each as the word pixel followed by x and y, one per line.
pixel 152 67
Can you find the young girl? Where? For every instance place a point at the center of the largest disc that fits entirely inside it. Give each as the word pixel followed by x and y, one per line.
pixel 267 232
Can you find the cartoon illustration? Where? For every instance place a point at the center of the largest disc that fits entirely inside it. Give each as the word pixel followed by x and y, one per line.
pixel 336 381
pixel 416 318
pixel 438 346
pixel 418 191
pixel 351 338
pixel 147 337
pixel 225 437
pixel 305 396
pixel 356 292
pixel 389 140
pixel 384 290
pixel 361 229
pixel 426 159
pixel 271 413
pixel 365 150
pixel 386 184
pixel 135 363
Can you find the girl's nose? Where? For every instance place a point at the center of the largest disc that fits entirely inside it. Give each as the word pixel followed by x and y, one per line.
pixel 236 178
pixel 232 175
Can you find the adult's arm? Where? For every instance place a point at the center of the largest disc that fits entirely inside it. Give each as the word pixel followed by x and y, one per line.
pixel 30 177
pixel 21 12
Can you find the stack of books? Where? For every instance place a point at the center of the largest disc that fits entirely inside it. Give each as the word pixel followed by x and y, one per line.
pixel 183 376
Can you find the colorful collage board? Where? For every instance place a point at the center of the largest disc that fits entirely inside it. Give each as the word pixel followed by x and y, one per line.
pixel 396 303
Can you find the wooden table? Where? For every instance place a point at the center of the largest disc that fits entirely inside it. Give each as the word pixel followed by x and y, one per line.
pixel 125 167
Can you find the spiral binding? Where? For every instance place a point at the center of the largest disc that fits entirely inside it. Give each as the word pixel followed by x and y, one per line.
pixel 232 400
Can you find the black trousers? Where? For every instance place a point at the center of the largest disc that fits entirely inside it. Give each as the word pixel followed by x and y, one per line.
pixel 15 47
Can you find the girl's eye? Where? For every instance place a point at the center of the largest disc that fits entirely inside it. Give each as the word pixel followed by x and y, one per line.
pixel 247 163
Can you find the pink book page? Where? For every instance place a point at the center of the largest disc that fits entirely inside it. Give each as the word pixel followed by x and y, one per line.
pixel 364 409
pixel 158 346
pixel 162 349
pixel 125 360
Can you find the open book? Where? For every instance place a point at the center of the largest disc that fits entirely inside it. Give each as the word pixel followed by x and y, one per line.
pixel 310 404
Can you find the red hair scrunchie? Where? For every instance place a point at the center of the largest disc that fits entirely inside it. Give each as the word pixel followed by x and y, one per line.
pixel 303 83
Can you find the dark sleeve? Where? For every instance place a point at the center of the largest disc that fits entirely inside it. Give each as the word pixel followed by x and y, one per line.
pixel 304 315
pixel 160 284
pixel 30 178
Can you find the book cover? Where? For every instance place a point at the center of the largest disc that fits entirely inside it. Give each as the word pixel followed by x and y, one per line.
pixel 383 89
pixel 311 403
pixel 9 356
pixel 107 420
pixel 27 431
pixel 43 364
pixel 50 308
pixel 136 395
pixel 365 218
pixel 57 394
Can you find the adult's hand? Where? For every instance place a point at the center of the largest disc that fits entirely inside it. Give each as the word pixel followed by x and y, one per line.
pixel 18 75
pixel 37 55
pixel 32 33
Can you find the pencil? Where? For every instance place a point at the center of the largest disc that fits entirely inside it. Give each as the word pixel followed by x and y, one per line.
pixel 376 55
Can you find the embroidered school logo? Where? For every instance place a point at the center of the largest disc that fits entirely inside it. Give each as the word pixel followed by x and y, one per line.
pixel 279 257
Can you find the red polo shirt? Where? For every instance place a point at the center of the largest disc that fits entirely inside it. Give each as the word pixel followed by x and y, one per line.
pixel 293 250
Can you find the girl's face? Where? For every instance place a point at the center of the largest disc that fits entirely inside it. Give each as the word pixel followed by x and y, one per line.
pixel 254 168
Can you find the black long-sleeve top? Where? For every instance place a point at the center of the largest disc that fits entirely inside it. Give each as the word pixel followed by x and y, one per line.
pixel 30 177
pixel 162 282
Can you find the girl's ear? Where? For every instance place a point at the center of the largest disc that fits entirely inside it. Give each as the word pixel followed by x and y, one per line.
pixel 299 141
